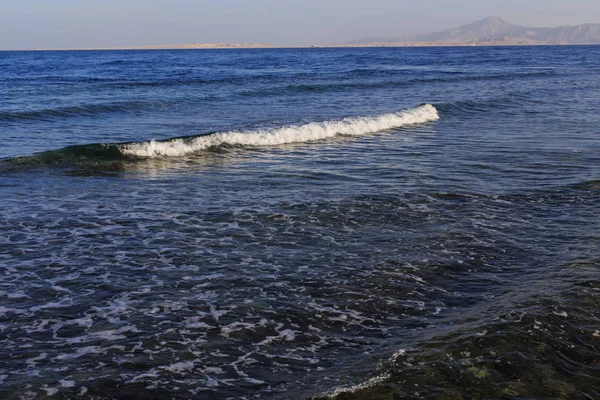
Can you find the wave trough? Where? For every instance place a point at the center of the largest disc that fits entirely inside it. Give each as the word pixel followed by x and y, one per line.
pixel 352 126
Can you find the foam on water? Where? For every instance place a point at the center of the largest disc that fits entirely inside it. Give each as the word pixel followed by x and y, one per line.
pixel 352 126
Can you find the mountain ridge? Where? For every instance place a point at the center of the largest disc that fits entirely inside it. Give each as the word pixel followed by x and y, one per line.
pixel 495 30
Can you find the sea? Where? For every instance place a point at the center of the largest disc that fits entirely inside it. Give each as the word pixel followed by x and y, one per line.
pixel 309 223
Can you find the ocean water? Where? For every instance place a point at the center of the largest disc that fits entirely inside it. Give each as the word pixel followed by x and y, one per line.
pixel 300 223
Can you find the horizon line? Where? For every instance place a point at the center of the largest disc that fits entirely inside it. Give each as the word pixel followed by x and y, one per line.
pixel 320 46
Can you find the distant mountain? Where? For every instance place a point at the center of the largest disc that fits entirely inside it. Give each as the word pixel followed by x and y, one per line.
pixel 495 30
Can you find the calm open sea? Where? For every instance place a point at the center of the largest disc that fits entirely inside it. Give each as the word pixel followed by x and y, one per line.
pixel 295 223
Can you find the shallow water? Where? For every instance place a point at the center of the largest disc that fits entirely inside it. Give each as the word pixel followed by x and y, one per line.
pixel 308 237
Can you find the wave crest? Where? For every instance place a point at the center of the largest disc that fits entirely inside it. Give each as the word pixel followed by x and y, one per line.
pixel 352 126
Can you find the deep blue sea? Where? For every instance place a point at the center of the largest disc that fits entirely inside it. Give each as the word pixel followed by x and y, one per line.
pixel 376 223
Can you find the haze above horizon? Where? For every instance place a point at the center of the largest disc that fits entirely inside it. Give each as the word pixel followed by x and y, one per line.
pixel 112 23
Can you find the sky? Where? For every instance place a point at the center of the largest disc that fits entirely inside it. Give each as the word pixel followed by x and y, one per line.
pixel 28 24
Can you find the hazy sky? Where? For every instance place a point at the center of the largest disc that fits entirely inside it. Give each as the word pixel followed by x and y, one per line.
pixel 91 23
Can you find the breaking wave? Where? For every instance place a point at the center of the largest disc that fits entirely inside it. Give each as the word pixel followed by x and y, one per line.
pixel 102 154
pixel 352 126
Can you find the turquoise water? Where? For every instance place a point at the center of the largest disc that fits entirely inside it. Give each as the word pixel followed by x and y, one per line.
pixel 297 223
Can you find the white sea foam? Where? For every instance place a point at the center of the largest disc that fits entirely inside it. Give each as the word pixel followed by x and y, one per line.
pixel 289 134
pixel 353 389
pixel 180 367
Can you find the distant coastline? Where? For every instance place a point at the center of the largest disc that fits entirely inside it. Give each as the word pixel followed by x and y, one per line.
pixel 495 31
pixel 490 31
pixel 208 46
pixel 319 46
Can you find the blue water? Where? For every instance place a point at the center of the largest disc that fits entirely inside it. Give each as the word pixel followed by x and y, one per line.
pixel 296 223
